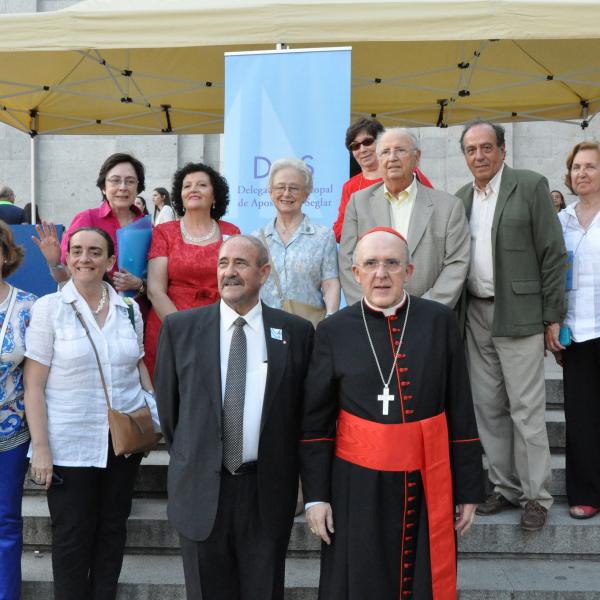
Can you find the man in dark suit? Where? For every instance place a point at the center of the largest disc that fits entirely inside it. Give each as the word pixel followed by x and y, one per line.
pixel 229 380
pixel 9 213
pixel 515 301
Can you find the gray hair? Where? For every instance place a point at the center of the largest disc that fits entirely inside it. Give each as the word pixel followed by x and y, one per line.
pixel 293 163
pixel 6 192
pixel 261 251
pixel 402 241
pixel 398 131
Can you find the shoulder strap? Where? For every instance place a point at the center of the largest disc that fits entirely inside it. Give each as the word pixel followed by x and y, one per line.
pixel 87 332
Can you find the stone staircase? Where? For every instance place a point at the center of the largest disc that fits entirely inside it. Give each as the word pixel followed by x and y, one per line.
pixel 497 560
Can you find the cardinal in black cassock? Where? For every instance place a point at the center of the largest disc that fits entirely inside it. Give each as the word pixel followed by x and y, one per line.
pixel 389 442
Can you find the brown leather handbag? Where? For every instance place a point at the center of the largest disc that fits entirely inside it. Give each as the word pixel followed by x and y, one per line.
pixel 130 432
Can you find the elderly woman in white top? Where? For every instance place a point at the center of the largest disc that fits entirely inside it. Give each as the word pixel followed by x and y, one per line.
pixel 89 488
pixel 581 358
pixel 303 254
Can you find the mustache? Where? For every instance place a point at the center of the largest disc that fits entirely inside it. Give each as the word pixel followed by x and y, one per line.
pixel 232 280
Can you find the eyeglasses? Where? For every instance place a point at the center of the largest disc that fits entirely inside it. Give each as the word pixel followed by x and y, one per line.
pixel 391 265
pixel 356 145
pixel 387 152
pixel 281 189
pixel 127 182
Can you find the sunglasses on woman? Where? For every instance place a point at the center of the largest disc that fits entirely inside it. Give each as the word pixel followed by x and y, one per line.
pixel 356 145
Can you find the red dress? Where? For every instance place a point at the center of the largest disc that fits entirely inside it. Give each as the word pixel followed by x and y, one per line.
pixel 192 275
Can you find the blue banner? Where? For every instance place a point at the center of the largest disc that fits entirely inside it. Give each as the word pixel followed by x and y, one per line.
pixel 282 104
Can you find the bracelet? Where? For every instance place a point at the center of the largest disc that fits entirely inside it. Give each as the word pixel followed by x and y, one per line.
pixel 57 267
pixel 142 288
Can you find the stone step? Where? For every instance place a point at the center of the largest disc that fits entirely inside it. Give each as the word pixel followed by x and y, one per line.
pixel 150 532
pixel 151 478
pixel 554 393
pixel 502 534
pixel 558 485
pixel 555 424
pixel 161 578
pixel 532 579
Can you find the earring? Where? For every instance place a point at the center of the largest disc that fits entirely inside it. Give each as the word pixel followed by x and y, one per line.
pixel 214 205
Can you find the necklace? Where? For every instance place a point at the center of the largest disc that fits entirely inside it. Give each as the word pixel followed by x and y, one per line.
pixel 103 299
pixel 199 239
pixel 386 397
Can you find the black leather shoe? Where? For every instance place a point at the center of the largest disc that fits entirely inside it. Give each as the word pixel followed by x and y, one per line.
pixel 493 504
pixel 534 516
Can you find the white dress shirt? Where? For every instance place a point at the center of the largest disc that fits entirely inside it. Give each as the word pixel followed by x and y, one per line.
pixel 480 281
pixel 256 371
pixel 401 207
pixel 583 313
pixel 75 401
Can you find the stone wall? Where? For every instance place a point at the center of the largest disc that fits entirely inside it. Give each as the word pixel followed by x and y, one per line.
pixel 68 165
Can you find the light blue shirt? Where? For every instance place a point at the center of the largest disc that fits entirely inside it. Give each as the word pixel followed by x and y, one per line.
pixel 309 258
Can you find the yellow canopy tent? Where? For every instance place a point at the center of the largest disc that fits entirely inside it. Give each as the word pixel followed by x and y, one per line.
pixel 151 66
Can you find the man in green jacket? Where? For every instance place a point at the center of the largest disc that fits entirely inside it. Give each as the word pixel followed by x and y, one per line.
pixel 514 305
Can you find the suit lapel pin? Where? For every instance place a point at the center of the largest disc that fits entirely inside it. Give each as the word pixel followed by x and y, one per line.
pixel 276 334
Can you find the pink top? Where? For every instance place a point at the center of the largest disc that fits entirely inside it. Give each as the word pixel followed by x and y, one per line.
pixel 101 217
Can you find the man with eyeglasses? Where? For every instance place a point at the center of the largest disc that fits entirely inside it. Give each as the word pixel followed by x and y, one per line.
pixel 389 443
pixel 515 296
pixel 360 141
pixel 432 221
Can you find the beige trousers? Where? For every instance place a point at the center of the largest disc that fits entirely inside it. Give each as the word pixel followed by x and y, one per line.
pixel 507 380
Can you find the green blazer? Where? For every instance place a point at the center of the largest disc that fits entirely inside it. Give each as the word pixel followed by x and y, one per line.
pixel 530 260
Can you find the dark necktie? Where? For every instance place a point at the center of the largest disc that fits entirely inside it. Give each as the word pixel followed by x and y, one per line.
pixel 233 402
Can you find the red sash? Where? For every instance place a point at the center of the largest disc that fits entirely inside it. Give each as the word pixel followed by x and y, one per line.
pixel 422 445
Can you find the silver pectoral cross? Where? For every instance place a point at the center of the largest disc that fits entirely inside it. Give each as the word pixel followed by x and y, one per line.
pixel 386 398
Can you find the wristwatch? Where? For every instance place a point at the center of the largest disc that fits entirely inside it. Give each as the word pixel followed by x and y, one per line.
pixel 142 288
pixel 57 267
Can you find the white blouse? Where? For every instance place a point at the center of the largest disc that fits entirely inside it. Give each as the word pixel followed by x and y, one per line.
pixel 583 313
pixel 165 214
pixel 75 401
